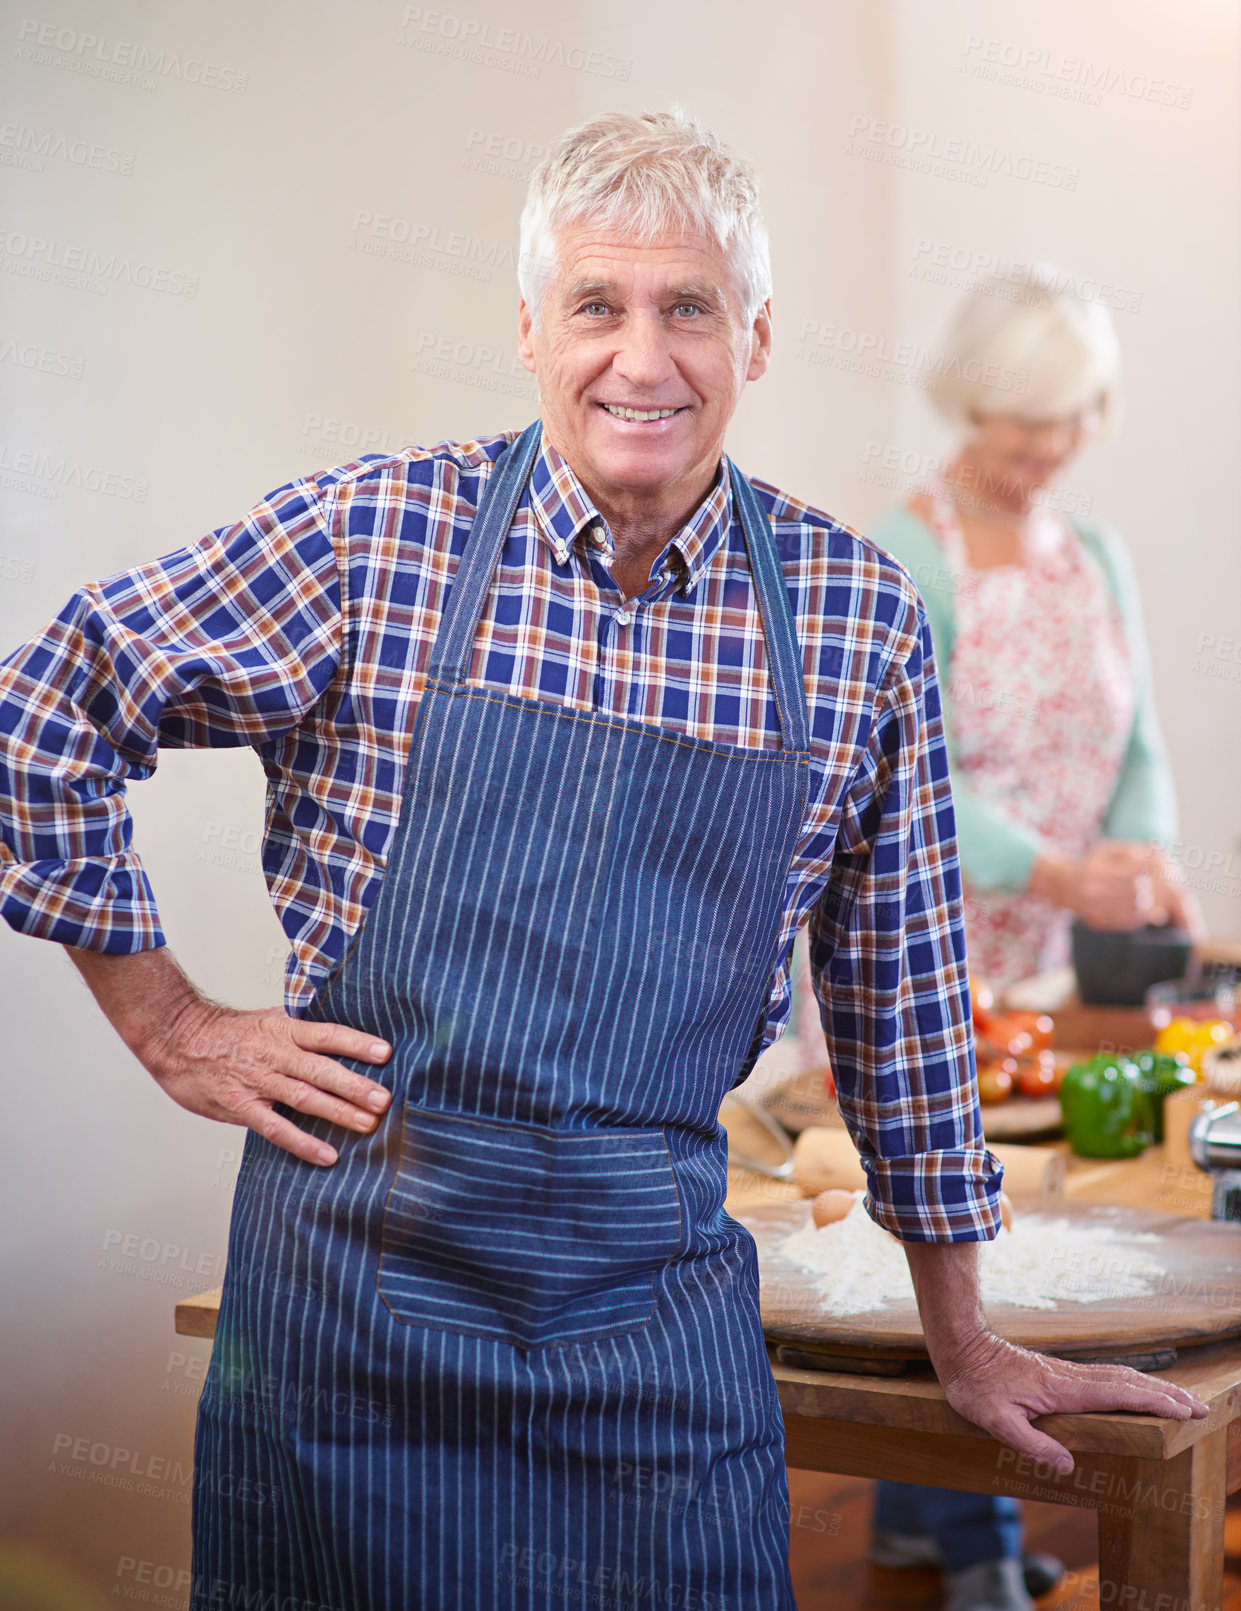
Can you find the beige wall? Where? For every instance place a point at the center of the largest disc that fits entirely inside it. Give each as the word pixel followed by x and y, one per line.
pixel 246 175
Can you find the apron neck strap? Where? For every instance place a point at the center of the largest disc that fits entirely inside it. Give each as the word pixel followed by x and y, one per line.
pixel 776 612
pixel 450 656
pixel 501 498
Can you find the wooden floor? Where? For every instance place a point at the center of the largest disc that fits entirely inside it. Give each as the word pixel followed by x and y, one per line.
pixel 831 1531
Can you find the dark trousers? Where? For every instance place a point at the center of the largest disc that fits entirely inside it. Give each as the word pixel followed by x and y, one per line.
pixel 968 1528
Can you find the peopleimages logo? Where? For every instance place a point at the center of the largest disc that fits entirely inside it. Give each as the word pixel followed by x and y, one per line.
pixel 151 1581
pixel 123 61
pixel 424 245
pixel 508 48
pixel 41 360
pixel 1069 77
pixel 86 268
pixel 874 352
pixel 504 156
pixel 951 156
pixel 157 1476
pixel 959 266
pixel 47 474
pixel 24 147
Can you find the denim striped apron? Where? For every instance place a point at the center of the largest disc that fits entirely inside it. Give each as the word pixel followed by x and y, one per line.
pixel 506 1353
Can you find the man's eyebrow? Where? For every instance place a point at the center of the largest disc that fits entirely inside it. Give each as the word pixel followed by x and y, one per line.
pixel 678 293
pixel 701 293
pixel 582 288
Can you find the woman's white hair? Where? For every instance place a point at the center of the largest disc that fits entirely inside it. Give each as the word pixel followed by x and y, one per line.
pixel 662 172
pixel 1025 344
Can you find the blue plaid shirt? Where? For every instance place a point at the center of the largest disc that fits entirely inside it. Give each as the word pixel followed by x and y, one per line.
pixel 304 630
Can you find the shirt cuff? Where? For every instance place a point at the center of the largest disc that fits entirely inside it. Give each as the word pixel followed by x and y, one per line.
pixel 947 1196
pixel 98 904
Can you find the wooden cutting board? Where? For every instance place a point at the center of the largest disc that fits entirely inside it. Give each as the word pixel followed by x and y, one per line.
pixel 1198 1302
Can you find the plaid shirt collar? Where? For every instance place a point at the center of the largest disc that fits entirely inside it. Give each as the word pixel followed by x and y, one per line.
pixel 564 514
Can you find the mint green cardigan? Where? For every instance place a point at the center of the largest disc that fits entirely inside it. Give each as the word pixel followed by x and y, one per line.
pixel 997 852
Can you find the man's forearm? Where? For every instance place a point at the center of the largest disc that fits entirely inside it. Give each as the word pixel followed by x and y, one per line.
pixel 945 1277
pixel 142 995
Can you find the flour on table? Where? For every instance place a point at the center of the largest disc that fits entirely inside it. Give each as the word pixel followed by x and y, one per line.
pixel 1038 1264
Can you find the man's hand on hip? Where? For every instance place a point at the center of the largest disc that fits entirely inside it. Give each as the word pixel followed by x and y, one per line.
pixel 1001 1387
pixel 235 1066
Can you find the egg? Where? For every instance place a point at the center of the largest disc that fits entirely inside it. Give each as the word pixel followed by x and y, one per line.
pixel 829 1206
pixel 1006 1211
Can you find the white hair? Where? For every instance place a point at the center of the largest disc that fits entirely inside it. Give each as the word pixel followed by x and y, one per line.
pixel 1026 344
pixel 660 173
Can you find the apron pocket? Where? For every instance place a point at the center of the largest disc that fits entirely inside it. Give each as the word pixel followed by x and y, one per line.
pixel 526 1235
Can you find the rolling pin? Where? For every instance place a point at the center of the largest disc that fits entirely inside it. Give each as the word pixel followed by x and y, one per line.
pixel 824 1158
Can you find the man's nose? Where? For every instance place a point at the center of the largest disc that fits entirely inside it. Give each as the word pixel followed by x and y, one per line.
pixel 644 354
pixel 1056 438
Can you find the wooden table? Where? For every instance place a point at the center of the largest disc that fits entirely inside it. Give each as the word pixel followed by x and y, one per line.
pixel 1159 1487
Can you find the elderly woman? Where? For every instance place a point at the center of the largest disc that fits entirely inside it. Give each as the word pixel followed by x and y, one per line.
pixel 1060 784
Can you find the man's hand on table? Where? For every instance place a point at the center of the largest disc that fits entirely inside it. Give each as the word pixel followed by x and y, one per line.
pixel 1001 1387
pixel 235 1066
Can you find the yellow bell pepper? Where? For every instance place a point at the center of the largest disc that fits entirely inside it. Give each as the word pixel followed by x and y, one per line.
pixel 1194 1037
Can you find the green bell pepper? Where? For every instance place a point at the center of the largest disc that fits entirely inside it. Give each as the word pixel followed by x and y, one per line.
pixel 1159 1074
pixel 1107 1113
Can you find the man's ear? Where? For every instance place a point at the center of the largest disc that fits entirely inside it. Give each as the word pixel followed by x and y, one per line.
pixel 760 350
pixel 525 336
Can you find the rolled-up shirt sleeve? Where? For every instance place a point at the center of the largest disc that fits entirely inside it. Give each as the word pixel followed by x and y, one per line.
pixel 887 956
pixel 228 641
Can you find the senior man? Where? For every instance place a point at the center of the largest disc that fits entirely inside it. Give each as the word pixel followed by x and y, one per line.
pixel 566 735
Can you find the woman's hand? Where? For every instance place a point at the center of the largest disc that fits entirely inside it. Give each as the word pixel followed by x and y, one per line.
pixel 1180 904
pixel 1117 884
pixel 1110 887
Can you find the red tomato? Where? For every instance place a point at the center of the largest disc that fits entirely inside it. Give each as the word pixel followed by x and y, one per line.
pixel 1037 1025
pixel 995 1081
pixel 982 1000
pixel 1036 1076
pixel 1012 1031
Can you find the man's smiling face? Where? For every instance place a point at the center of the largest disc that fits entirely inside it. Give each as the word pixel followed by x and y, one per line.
pixel 641 355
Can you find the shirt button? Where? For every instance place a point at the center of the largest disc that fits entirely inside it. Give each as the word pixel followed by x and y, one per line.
pixel 597 537
pixel 622 617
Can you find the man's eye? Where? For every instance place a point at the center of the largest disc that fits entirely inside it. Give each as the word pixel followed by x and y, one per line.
pixel 688 307
pixel 595 307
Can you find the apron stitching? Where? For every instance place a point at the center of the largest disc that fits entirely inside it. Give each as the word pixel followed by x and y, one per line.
pixel 504 1124
pixel 396 1175
pixel 545 1129
pixel 630 725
